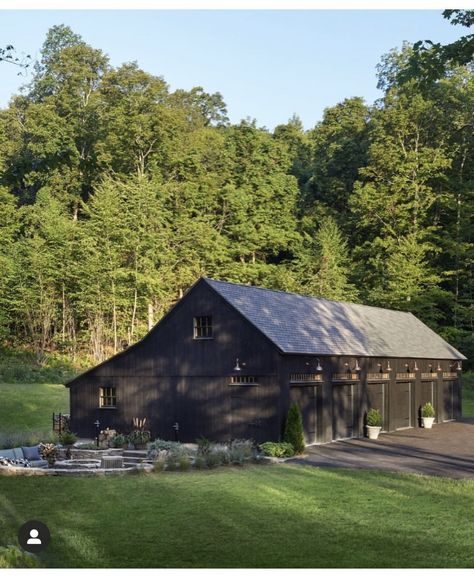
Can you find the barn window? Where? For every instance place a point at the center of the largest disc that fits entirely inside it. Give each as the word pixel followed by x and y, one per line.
pixel 203 327
pixel 243 380
pixel 107 397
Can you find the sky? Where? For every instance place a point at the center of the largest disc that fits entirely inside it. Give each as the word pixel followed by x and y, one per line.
pixel 267 64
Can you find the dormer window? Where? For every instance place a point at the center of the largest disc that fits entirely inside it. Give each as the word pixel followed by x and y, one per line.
pixel 202 327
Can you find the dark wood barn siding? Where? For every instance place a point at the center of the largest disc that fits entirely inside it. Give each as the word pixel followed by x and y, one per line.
pixel 170 376
pixel 342 405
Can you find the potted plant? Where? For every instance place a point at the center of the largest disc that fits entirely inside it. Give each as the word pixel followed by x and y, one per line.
pixel 119 441
pixel 427 415
pixel 374 423
pixel 139 439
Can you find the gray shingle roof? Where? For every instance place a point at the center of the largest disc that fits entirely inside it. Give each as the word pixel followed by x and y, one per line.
pixel 308 325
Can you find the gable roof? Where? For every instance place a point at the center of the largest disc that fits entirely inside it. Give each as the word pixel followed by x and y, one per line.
pixel 299 324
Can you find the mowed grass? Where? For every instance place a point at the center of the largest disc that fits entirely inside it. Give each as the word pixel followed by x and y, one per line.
pixel 468 395
pixel 260 516
pixel 29 407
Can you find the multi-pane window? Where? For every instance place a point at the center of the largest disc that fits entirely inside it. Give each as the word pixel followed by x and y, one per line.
pixel 203 327
pixel 107 397
pixel 243 380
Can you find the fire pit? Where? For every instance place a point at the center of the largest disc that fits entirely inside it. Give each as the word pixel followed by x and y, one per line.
pixel 77 464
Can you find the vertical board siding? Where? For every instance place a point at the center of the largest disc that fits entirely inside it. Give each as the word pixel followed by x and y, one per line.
pixel 171 377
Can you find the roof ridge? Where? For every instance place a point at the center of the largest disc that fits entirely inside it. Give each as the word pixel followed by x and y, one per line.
pixel 309 296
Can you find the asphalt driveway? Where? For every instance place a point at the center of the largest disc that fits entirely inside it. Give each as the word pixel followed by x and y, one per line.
pixel 446 450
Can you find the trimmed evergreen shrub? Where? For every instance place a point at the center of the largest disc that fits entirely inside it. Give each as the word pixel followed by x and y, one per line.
pixel 427 410
pixel 374 418
pixel 294 429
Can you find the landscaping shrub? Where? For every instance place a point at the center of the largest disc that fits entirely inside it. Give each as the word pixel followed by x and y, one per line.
pixel 374 418
pixel 159 465
pixel 184 463
pixel 90 446
pixel 26 439
pixel 174 450
pixel 199 462
pixel 213 460
pixel 67 438
pixel 294 429
pixel 240 451
pixel 204 445
pixel 282 449
pixel 427 410
pixel 119 440
pixel 13 557
pixel 222 450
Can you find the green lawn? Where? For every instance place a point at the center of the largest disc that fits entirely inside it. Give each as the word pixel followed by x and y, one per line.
pixel 468 395
pixel 28 407
pixel 262 516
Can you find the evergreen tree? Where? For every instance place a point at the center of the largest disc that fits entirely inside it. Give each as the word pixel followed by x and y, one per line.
pixel 294 429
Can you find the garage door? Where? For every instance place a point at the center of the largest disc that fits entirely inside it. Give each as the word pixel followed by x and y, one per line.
pixel 376 395
pixel 306 398
pixel 427 394
pixel 447 401
pixel 401 406
pixel 343 411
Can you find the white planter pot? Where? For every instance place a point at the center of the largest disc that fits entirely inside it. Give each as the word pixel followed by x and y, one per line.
pixel 427 422
pixel 373 432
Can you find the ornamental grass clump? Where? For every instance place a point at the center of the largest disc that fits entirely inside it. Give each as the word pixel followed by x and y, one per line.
pixel 294 429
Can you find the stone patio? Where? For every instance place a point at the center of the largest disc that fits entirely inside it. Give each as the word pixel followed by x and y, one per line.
pixel 445 450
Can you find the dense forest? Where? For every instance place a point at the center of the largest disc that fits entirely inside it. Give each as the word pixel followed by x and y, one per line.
pixel 116 194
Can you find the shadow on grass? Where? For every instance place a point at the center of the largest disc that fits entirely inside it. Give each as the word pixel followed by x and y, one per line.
pixel 280 516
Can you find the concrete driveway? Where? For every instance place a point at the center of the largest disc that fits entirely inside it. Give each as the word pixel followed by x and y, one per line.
pixel 447 450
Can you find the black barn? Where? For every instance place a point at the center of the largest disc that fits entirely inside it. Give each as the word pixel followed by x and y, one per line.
pixel 228 360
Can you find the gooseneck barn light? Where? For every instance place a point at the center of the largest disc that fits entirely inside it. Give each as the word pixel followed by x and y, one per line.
pixel 319 368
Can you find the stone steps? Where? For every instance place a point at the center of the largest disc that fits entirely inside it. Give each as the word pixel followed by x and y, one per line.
pixel 135 457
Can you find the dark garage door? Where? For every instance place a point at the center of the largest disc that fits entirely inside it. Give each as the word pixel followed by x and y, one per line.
pixel 305 397
pixel 401 406
pixel 427 394
pixel 343 411
pixel 246 415
pixel 376 395
pixel 447 401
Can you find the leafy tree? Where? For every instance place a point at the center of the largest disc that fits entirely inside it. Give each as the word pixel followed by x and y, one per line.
pixel 431 60
pixel 339 150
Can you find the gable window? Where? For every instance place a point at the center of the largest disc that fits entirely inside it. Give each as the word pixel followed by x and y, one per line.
pixel 107 397
pixel 203 327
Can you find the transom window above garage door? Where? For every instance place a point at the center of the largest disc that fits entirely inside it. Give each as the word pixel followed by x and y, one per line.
pixel 203 327
pixel 107 397
pixel 243 380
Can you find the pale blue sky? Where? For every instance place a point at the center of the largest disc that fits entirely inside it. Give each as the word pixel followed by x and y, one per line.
pixel 267 64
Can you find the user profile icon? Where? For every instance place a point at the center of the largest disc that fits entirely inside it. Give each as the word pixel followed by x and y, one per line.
pixel 34 536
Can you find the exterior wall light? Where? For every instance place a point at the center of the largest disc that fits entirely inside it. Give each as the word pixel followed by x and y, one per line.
pixel 238 365
pixel 439 369
pixel 319 368
pixel 357 367
pixel 459 366
pixel 415 368
pixel 389 368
